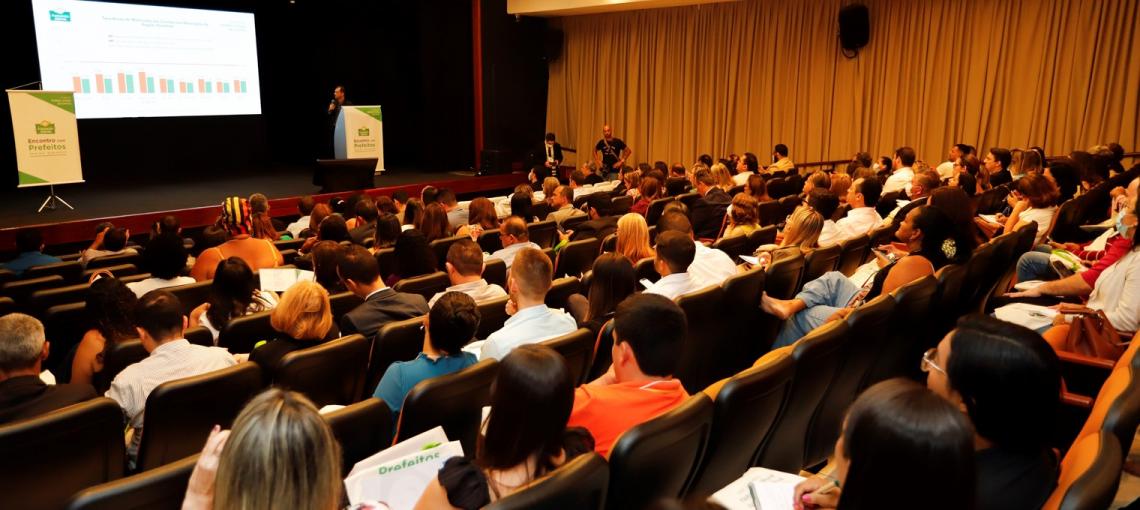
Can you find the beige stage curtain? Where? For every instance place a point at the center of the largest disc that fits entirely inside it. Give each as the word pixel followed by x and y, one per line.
pixel 743 76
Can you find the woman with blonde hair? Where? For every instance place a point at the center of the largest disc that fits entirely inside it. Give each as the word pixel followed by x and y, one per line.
pixel 633 238
pixel 743 216
pixel 723 177
pixel 302 319
pixel 801 235
pixel 632 183
pixel 280 453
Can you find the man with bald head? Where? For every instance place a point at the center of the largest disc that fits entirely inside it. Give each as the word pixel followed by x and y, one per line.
pixel 610 153
pixel 515 237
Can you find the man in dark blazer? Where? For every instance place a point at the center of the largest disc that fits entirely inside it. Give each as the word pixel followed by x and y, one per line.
pixel 361 275
pixel 676 183
pixel 551 155
pixel 23 395
pixel 708 211
pixel 601 223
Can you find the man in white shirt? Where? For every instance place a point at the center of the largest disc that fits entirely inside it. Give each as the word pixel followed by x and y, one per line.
pixel 921 186
pixel 465 270
pixel 957 151
pixel 824 202
pixel 710 266
pixel 781 161
pixel 515 237
pixel 304 206
pixel 563 202
pixel 900 178
pixel 160 325
pixel 531 320
pixel 675 253
pixel 110 240
pixel 745 168
pixel 862 196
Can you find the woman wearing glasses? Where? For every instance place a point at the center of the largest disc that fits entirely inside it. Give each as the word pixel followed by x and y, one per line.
pixel 1007 380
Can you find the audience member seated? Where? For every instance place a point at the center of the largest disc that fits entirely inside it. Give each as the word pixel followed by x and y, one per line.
pixel 414 257
pixel 400 200
pixel 305 206
pixel 632 182
pixel 531 320
pixel 257 463
pixel 522 201
pixel 1007 381
pixel 361 275
pixel 801 236
pixel 465 271
pixel 901 447
pixel 257 253
pixel 676 183
pixel 449 326
pixel 387 231
pixel 840 183
pixel 612 279
pixel 648 333
pixel 1035 200
pixel 947 168
pixel 722 177
pixel 543 208
pixel 109 307
pixel 757 188
pixel 324 259
pixel 633 238
pixel 746 167
pixel 302 319
pixel 233 293
pixel 710 266
pixel 675 252
pixel 930 241
pixel 601 223
pixel 965 176
pixel 165 259
pixel 263 227
pixel 708 210
pixel 168 224
pixel 161 326
pixel 316 216
pixel 825 203
pixel 648 192
pixel 525 435
pixel 436 225
pixel 109 241
pixel 457 215
pixel 563 204
pixel 863 196
pixel 743 216
pixel 23 395
pixel 921 186
pixel 366 215
pixel 995 167
pixel 515 238
pixel 482 216
pixel 259 205
pixel 960 208
pixel 818 179
pixel 780 160
pixel 903 172
pixel 30 245
pixel 413 214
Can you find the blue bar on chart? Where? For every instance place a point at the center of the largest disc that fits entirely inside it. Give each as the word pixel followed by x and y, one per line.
pixel 150 84
pixel 208 86
pixel 243 86
pixel 86 86
pixel 169 86
pixel 226 87
pixel 130 84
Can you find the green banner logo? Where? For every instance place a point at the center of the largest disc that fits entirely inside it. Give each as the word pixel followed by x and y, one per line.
pixel 60 15
pixel 362 132
pixel 45 128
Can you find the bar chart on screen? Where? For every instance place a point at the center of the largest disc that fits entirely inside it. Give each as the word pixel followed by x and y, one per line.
pixel 146 61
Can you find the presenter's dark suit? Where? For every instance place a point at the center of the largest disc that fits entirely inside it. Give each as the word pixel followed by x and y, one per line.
pixel 599 228
pixel 27 396
pixel 708 213
pixel 557 154
pixel 381 308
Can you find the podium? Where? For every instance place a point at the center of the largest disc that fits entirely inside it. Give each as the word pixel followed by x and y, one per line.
pixel 358 151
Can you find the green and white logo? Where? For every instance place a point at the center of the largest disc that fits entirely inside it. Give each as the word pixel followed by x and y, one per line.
pixel 362 131
pixel 45 128
pixel 60 15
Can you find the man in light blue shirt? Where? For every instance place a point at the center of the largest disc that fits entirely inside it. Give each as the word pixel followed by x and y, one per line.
pixel 449 325
pixel 30 244
pixel 515 237
pixel 531 320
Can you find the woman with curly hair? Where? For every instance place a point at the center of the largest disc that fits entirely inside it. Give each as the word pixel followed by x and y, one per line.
pixel 109 305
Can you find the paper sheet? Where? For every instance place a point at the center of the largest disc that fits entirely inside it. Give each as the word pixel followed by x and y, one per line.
pixel 279 280
pixel 775 495
pixel 992 218
pixel 735 496
pixel 1025 314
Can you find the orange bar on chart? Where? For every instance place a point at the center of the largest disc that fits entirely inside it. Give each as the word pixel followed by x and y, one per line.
pixel 76 84
pixel 219 89
pixel 182 87
pixel 162 86
pixel 122 83
pixel 142 83
pixel 201 85
pixel 99 84
pixel 237 85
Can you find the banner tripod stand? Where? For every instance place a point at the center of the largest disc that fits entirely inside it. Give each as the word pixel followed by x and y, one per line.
pixel 51 201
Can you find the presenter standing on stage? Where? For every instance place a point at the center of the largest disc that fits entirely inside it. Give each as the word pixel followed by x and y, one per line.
pixel 337 101
pixel 610 153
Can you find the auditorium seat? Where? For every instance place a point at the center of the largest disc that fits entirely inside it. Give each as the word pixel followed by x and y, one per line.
pixel 771 213
pixel 291 257
pixel 888 202
pixel 180 414
pixel 621 204
pixel 495 271
pixel 577 349
pixel 489 241
pixel 386 259
pixel 120 271
pixel 735 189
pixel 708 342
pixel 242 333
pixel 69 271
pixel 50 457
pixel 120 355
pixel 734 247
pixel 659 458
pixel 561 290
pixel 289 244
pixel 64 326
pixel 782 279
pixel 577 257
pixel 342 303
pixel 578 484
pixel 655 210
pixel 329 373
pixel 199 335
pixel 974 284
pixel 6 275
pixel 908 332
pixel 454 401
pixel 950 280
pixel 191 295
pixel 440 247
pixel 21 290
pixel 1090 474
pixel 884 234
pixel 395 341
pixel 689 199
pixel 866 341
pixel 115 260
pixel 425 285
pixel 543 233
pixel 609 244
pixel 817 356
pixel 746 408
pixel 742 308
pixel 765 235
pixel 992 200
pixel 645 270
pixel 777 189
pixel 853 254
pixel 572 223
pixel 820 262
pixel 603 351
pixel 7 306
pixel 161 488
pixel 492 316
pixel 1116 409
pixel 362 429
pixel 789 204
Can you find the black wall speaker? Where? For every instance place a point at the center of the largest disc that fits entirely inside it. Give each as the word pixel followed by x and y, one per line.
pixel 854 26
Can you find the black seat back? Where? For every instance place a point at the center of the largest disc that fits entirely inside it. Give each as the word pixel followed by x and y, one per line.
pixel 440 247
pixel 242 333
pixel 395 341
pixel 577 257
pixel 492 316
pixel 362 429
pixel 645 270
pixel 734 247
pixel 888 202
pixel 742 308
pixel 161 488
pixel 386 258
pixel 543 233
pixel 41 300
pixel 64 326
pixel 820 261
pixel 425 285
pixel 181 413
pixel 561 290
pixel 495 271
pixel 771 213
pixel 765 235
pixel 603 351
pixel 191 295
pixel 789 204
pixel 119 356
pixel 489 241
pixel 658 459
pixel 656 209
pixel 578 350
pixel 329 373
pixel 454 401
pixel 50 457
pixel 69 271
pixel 21 290
pixel 579 484
pixel 621 204
pixel 115 260
pixel 707 340
pixel 853 252
pixel 909 332
pixel 745 410
pixel 782 279
pixel 342 303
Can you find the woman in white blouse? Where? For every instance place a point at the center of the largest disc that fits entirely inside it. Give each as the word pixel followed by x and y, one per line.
pixel 233 293
pixel 1033 200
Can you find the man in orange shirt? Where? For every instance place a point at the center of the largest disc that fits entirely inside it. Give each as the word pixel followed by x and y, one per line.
pixel 648 332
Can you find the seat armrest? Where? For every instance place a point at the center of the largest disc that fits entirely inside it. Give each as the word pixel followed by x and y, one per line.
pixel 1084 375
